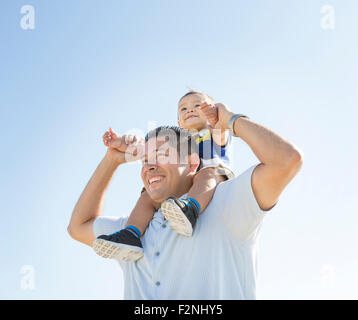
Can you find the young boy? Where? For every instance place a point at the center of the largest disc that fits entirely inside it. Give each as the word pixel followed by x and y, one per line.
pixel 197 113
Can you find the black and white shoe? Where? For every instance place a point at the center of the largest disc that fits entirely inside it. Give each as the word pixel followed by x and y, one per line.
pixel 181 214
pixel 122 245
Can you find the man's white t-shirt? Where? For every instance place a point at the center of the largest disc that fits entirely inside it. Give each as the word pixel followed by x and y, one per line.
pixel 218 262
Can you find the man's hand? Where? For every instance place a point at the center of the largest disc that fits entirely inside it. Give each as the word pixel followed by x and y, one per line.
pixel 224 115
pixel 122 149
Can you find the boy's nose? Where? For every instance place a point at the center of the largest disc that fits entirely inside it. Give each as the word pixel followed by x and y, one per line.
pixel 191 110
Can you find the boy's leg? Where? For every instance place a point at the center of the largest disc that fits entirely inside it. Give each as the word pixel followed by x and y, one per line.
pixel 204 185
pixel 183 214
pixel 125 244
pixel 142 213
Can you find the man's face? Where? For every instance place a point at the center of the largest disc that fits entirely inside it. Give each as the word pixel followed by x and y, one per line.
pixel 162 174
pixel 188 117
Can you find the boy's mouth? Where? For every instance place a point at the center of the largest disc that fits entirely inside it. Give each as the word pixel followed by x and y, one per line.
pixel 191 116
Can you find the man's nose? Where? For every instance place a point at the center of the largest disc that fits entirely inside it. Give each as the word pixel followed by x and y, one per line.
pixel 150 166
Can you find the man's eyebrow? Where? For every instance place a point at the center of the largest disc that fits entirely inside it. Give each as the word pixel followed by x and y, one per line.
pixel 143 156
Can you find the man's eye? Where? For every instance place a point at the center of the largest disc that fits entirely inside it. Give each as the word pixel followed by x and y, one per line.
pixel 197 105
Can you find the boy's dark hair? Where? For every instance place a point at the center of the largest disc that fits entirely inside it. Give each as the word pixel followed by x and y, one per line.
pixel 178 138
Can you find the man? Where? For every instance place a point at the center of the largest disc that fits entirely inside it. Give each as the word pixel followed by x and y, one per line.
pixel 219 261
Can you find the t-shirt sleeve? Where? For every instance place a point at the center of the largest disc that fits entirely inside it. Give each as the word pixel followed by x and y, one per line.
pixel 108 225
pixel 241 213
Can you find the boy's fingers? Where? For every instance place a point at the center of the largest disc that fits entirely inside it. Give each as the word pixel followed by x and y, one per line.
pixel 112 133
pixel 128 138
pixel 211 113
pixel 201 113
pixel 206 112
pixel 131 139
pixel 206 108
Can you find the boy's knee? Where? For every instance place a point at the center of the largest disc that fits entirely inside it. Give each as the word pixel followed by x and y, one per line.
pixel 209 173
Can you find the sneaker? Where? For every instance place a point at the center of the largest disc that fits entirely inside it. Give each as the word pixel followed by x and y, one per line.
pixel 122 244
pixel 182 216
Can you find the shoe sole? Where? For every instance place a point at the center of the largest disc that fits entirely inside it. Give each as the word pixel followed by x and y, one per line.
pixel 107 249
pixel 178 220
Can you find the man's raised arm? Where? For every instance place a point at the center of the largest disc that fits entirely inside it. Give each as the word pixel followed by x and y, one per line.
pixel 121 149
pixel 280 159
pixel 89 205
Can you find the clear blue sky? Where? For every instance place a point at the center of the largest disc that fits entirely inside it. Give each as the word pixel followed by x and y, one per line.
pixel 93 64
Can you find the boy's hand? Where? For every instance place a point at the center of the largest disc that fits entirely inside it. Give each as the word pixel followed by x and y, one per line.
pixel 209 112
pixel 218 115
pixel 129 145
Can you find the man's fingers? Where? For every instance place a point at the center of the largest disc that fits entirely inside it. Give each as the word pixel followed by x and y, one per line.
pixel 107 135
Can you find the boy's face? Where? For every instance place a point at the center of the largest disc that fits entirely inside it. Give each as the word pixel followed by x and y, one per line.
pixel 188 116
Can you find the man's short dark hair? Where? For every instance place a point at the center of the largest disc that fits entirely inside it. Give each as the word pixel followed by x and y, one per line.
pixel 177 137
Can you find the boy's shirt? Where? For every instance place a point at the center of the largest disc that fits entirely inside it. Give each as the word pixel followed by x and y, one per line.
pixel 211 153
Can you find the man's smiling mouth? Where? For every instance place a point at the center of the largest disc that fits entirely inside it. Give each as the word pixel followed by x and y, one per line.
pixel 155 179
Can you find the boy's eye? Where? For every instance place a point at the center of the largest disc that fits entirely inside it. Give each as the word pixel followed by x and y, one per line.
pixel 197 105
pixel 183 109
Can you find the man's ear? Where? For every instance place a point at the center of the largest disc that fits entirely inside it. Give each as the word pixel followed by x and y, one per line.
pixel 194 162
